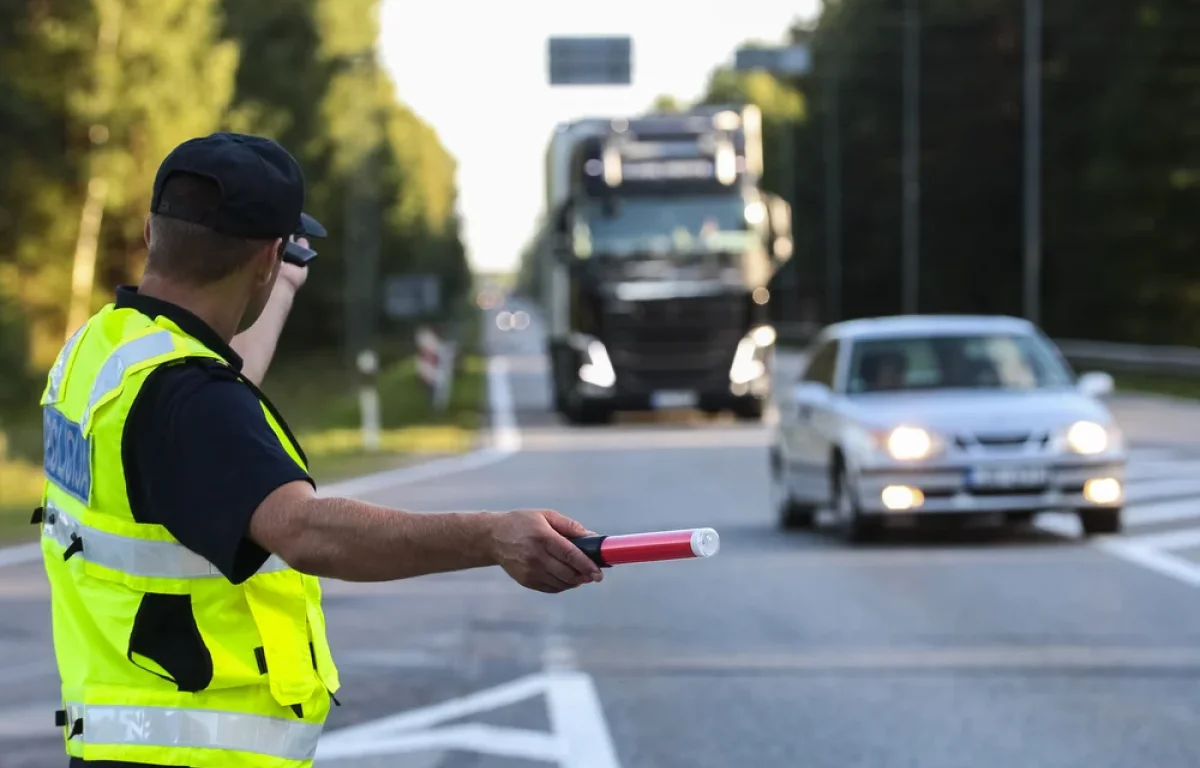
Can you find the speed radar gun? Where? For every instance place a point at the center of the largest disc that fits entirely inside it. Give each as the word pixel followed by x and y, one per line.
pixel 607 551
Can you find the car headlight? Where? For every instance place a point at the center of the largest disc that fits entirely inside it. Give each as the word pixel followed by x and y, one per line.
pixel 909 443
pixel 1087 437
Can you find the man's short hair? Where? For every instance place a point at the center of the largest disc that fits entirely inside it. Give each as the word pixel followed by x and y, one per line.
pixel 192 253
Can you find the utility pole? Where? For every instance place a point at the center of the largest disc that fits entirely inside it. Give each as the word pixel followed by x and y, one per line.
pixel 910 266
pixel 362 252
pixel 362 212
pixel 1033 160
pixel 833 188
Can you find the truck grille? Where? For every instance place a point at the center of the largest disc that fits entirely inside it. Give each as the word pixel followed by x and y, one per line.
pixel 675 343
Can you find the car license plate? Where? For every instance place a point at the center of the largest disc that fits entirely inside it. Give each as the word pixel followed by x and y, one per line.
pixel 673 399
pixel 1007 477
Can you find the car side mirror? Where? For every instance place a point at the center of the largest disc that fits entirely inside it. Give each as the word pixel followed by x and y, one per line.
pixel 1096 384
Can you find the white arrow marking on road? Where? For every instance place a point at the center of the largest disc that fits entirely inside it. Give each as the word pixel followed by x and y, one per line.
pixel 580 738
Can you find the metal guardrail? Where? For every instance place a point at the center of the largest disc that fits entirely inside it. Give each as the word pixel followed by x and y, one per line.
pixel 1133 358
pixel 1113 356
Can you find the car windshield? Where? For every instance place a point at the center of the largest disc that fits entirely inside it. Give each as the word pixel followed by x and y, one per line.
pixel 625 226
pixel 983 361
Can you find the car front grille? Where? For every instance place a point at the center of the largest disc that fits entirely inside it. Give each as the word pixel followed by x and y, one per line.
pixel 1002 441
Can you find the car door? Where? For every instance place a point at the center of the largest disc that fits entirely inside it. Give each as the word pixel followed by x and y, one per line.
pixel 807 443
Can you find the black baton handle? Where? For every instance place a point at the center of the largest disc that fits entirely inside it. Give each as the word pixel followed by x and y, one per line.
pixel 590 546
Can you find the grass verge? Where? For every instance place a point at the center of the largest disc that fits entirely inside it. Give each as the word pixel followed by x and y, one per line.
pixel 320 401
pixel 20 489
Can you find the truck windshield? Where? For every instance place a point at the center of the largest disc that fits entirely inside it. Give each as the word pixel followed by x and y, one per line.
pixel 625 226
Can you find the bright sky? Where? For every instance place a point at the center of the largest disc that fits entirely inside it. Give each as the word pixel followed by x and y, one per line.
pixel 476 71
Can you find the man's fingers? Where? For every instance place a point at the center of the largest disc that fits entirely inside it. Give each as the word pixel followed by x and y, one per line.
pixel 580 563
pixel 564 525
pixel 556 570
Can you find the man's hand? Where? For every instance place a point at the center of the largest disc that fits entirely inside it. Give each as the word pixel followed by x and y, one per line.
pixel 531 546
pixel 292 277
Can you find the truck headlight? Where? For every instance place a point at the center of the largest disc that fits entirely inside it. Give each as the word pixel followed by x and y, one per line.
pixel 909 443
pixel 1087 437
pixel 748 362
pixel 598 369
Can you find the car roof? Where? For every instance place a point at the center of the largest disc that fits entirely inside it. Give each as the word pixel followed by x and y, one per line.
pixel 925 325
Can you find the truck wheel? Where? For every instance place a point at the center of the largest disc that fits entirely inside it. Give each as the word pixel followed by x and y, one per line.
pixel 583 413
pixel 750 411
pixel 560 401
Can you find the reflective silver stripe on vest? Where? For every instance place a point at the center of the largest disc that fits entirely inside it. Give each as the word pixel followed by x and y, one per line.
pixel 60 365
pixel 196 728
pixel 123 357
pixel 136 557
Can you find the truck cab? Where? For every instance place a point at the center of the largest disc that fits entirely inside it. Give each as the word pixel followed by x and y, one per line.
pixel 658 247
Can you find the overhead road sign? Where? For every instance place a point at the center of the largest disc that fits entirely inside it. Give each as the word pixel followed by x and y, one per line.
pixel 588 60
pixel 790 61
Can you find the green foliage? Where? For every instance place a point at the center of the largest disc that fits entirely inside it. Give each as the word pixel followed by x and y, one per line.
pixel 1120 186
pixel 147 74
pixel 667 104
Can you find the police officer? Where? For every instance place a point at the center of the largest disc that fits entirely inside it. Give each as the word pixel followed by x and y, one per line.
pixel 181 534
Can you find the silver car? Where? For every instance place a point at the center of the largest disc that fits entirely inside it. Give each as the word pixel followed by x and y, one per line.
pixel 905 417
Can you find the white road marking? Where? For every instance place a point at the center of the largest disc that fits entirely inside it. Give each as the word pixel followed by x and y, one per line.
pixel 579 739
pixel 578 718
pixel 1141 492
pixel 1182 539
pixel 574 707
pixel 1162 512
pixel 1156 560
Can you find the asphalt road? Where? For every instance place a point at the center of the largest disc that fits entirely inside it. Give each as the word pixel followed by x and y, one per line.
pixel 984 648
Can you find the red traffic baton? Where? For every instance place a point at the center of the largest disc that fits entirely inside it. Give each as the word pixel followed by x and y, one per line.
pixel 607 551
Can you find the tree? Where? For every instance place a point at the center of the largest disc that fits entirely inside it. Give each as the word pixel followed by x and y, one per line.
pixel 667 104
pixel 1120 188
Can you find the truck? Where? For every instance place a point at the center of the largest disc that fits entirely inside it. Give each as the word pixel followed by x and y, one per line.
pixel 655 249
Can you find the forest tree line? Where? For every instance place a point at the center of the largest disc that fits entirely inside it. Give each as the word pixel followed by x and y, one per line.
pixel 93 95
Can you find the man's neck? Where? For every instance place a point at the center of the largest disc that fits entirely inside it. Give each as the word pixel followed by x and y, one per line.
pixel 210 304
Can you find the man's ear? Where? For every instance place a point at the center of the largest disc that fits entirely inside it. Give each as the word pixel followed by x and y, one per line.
pixel 146 232
pixel 267 262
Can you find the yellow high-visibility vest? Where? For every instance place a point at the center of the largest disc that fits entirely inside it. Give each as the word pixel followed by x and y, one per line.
pixel 251 687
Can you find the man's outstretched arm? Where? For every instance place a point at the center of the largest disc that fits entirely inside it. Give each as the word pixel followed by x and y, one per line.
pixel 355 541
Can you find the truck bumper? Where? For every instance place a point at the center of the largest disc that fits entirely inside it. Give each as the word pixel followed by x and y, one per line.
pixel 707 394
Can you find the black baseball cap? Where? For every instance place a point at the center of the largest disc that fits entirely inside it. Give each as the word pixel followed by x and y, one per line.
pixel 261 188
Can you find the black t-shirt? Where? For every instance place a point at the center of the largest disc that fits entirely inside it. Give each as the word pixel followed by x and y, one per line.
pixel 199 455
pixel 198 452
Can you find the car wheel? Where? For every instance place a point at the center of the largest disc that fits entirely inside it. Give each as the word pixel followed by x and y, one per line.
pixel 855 527
pixel 1100 521
pixel 789 514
